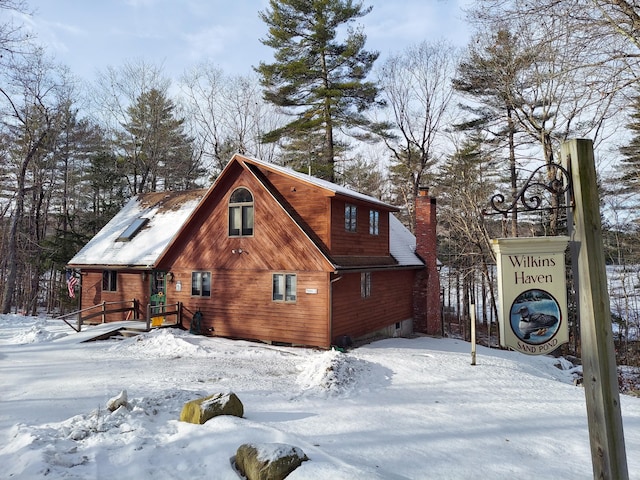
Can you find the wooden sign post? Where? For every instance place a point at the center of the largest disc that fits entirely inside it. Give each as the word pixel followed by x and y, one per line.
pixel 598 357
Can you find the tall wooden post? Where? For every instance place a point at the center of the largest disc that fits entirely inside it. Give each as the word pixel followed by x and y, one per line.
pixel 472 315
pixel 598 357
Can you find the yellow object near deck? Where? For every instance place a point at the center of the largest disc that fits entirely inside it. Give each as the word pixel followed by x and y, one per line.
pixel 156 321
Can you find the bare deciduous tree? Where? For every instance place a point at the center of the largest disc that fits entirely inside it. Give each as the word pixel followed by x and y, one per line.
pixel 417 87
pixel 13 37
pixel 227 115
pixel 561 90
pixel 33 104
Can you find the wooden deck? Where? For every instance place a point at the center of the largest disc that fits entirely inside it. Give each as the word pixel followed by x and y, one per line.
pixel 101 331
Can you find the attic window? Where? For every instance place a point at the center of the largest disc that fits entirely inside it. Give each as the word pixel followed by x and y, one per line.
pixel 132 230
pixel 241 213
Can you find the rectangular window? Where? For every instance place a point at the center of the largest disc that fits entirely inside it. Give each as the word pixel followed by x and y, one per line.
pixel 247 220
pixel 284 287
pixel 109 281
pixel 235 221
pixel 241 221
pixel 201 284
pixel 365 284
pixel 350 214
pixel 374 222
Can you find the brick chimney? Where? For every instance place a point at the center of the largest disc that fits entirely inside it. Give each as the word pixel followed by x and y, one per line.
pixel 427 313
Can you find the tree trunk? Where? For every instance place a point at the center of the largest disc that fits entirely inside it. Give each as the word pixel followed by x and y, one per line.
pixel 12 241
pixel 12 244
pixel 513 175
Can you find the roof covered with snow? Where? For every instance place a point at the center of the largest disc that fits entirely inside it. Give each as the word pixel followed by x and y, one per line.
pixel 165 212
pixel 402 244
pixel 161 215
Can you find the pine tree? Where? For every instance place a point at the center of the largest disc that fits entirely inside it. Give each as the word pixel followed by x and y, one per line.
pixel 158 153
pixel 491 76
pixel 317 78
pixel 466 180
pixel 630 165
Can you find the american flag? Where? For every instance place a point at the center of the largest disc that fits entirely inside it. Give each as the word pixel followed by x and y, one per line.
pixel 72 281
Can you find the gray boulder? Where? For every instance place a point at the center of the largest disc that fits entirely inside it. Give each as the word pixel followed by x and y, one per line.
pixel 268 461
pixel 203 409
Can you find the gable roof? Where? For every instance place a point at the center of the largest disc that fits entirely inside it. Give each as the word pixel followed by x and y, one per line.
pixel 317 182
pixel 402 243
pixel 165 213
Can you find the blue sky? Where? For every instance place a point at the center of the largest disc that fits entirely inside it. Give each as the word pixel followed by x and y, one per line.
pixel 88 35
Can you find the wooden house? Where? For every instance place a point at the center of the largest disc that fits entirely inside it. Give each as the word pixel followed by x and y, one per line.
pixel 269 254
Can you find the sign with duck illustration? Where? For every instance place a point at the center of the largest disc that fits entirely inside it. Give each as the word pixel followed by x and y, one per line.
pixel 532 311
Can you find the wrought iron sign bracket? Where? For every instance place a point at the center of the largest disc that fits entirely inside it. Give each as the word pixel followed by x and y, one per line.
pixel 529 197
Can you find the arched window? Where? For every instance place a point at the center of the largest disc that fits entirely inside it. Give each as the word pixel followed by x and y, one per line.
pixel 241 213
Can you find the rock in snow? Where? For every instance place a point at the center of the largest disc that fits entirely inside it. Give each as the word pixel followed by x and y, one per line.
pixel 118 401
pixel 270 461
pixel 202 409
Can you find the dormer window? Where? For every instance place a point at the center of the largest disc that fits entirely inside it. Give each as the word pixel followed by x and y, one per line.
pixel 241 213
pixel 132 230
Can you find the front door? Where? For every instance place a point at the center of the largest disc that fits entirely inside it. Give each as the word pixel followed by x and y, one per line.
pixel 158 286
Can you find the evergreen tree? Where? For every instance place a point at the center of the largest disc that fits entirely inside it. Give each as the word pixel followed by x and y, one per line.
pixel 158 154
pixel 465 181
pixel 364 175
pixel 492 74
pixel 630 165
pixel 317 78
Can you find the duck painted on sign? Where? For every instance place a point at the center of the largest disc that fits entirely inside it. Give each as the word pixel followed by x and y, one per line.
pixel 534 323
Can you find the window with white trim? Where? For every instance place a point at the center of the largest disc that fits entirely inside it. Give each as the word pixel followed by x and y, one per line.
pixel 284 287
pixel 200 284
pixel 241 213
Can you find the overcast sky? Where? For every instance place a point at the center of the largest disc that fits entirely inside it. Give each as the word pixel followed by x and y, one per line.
pixel 88 35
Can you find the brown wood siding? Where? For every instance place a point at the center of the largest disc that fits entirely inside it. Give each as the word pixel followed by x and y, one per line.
pixel 241 303
pixel 241 306
pixel 312 203
pixel 129 285
pixel 276 244
pixel 391 301
pixel 360 242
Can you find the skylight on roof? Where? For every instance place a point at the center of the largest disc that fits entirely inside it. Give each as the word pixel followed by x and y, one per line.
pixel 132 230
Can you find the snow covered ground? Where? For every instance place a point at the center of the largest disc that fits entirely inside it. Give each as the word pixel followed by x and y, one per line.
pixel 394 409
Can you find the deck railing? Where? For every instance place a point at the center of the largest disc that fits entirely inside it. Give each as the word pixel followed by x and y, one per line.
pixel 131 307
pixel 157 314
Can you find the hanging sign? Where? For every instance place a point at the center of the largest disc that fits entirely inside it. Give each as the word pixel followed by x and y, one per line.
pixel 532 311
